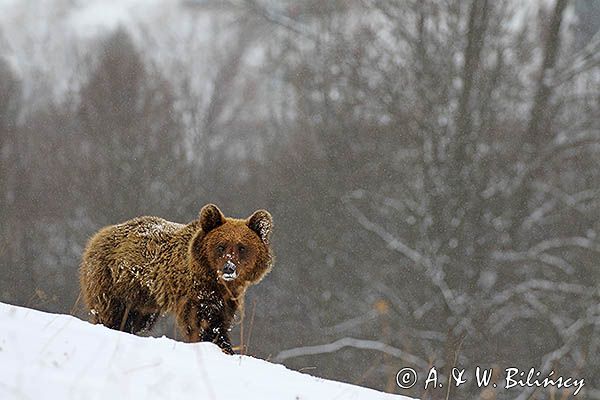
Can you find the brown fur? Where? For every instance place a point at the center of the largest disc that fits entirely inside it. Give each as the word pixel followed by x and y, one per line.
pixel 135 271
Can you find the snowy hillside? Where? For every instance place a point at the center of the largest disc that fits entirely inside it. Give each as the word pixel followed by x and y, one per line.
pixel 49 356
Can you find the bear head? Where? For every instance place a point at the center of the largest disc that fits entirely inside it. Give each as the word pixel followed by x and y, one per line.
pixel 234 249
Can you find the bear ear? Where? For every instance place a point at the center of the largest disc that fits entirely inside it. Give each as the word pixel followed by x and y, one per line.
pixel 261 222
pixel 211 217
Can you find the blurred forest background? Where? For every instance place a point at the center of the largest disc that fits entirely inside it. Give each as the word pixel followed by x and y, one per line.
pixel 433 169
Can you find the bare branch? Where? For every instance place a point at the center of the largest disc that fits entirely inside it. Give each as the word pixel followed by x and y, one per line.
pixel 559 243
pixel 571 335
pixel 584 60
pixel 434 272
pixel 275 18
pixel 350 342
pixel 391 241
pixel 542 284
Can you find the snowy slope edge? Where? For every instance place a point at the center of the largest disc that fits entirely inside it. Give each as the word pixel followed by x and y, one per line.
pixel 56 356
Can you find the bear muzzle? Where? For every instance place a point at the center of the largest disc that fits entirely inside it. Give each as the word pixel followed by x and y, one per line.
pixel 229 271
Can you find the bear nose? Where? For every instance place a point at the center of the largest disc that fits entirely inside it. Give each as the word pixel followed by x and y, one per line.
pixel 229 267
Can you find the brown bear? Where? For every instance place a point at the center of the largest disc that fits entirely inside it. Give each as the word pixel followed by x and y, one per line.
pixel 135 271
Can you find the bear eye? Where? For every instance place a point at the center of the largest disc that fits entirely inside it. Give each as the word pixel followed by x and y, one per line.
pixel 220 248
pixel 242 249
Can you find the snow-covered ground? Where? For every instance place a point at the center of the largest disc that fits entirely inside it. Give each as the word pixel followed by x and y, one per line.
pixel 51 356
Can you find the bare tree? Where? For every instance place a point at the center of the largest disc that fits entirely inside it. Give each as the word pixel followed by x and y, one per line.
pixel 468 181
pixel 128 142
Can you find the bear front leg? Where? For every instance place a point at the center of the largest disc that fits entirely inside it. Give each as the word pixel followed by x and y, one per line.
pixel 204 321
pixel 218 334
